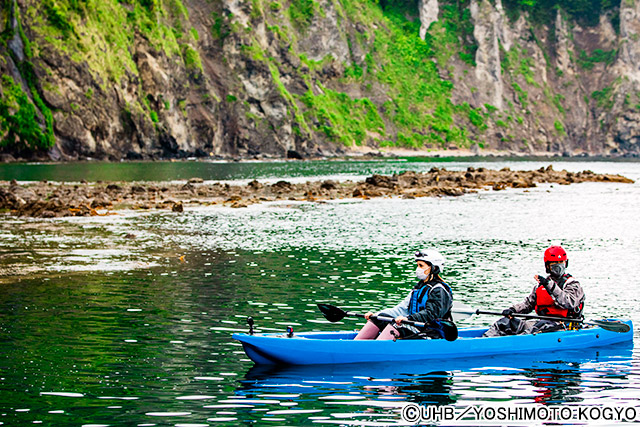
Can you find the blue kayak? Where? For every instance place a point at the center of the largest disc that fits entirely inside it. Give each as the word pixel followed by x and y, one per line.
pixel 311 348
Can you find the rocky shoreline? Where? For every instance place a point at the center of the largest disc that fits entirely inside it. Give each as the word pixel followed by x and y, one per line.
pixel 51 199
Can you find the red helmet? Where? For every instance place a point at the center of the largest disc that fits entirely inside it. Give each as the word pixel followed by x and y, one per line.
pixel 555 253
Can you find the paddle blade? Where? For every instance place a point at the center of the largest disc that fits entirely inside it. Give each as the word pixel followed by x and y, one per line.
pixel 461 311
pixel 331 312
pixel 450 330
pixel 611 325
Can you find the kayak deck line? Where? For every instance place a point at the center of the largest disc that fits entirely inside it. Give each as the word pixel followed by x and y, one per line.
pixel 310 348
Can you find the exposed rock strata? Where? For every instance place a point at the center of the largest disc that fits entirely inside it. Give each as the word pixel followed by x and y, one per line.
pixel 47 199
pixel 488 70
pixel 428 10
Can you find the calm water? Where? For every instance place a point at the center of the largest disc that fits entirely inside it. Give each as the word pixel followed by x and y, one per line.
pixel 296 170
pixel 126 320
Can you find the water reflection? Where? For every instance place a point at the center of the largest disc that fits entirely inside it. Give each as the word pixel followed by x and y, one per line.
pixel 375 390
pixel 366 392
pixel 291 170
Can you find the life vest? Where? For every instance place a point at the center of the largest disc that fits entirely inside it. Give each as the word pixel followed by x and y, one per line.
pixel 546 306
pixel 420 296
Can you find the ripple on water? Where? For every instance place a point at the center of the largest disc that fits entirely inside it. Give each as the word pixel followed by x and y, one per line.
pixel 196 397
pixel 167 414
pixel 61 393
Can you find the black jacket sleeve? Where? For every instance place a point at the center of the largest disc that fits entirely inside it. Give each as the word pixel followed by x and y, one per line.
pixel 438 306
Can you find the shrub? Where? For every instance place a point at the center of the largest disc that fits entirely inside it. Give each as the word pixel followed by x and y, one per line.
pixel 19 119
pixel 301 13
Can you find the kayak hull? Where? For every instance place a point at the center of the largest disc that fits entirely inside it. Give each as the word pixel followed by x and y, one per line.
pixel 312 348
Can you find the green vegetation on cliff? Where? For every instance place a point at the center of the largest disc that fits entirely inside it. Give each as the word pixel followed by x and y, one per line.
pixel 585 12
pixel 343 119
pixel 103 33
pixel 19 122
pixel 418 101
pixel 373 80
pixel 597 56
pixel 99 33
pixel 26 123
pixel 453 33
pixel 420 104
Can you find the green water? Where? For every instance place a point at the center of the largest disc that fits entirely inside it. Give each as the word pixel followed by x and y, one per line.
pixel 153 347
pixel 166 171
pixel 161 171
pixel 127 320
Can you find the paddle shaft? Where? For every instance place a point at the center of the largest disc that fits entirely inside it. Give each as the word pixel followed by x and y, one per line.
pixel 533 316
pixel 609 325
pixel 448 329
pixel 419 325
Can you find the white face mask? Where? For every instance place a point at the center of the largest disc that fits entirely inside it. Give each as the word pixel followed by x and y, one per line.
pixel 420 274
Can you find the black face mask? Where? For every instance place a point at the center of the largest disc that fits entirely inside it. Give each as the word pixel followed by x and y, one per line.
pixel 556 270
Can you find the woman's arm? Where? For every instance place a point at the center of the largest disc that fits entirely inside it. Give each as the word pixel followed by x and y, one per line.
pixel 402 309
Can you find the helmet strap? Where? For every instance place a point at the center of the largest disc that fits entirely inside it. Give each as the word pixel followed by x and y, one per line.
pixel 435 271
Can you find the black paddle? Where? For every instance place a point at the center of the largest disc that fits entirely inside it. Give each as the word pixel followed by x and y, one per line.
pixel 609 325
pixel 336 314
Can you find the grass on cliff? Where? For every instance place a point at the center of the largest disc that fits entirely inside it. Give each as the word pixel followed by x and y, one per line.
pixel 518 61
pixel 102 32
pixel 25 120
pixel 585 12
pixel 301 13
pixel 587 61
pixel 604 98
pixel 99 33
pixel 342 119
pixel 419 101
pixel 420 104
pixel 19 122
pixel 453 33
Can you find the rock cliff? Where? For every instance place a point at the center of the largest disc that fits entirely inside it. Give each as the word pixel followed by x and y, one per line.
pixel 138 79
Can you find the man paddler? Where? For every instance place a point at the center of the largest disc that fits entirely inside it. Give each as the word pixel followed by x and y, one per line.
pixel 558 295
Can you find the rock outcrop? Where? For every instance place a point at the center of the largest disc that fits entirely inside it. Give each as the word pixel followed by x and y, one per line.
pixel 428 10
pixel 47 200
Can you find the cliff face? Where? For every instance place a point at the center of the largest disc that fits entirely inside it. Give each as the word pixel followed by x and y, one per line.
pixel 172 78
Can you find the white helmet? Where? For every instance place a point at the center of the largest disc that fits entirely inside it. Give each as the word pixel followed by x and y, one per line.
pixel 432 257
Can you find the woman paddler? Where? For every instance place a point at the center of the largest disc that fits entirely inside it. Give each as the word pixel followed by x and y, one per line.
pixel 430 301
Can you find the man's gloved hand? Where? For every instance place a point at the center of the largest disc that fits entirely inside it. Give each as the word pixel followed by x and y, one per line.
pixel 543 281
pixel 508 312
